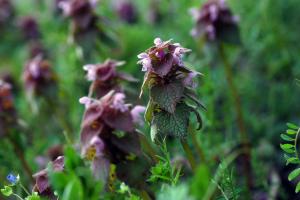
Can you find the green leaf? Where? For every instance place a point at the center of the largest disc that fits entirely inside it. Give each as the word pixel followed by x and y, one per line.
pixel 286 138
pixel 297 188
pixel 291 132
pixel 288 148
pixel 7 191
pixel 292 160
pixel 34 196
pixel 175 124
pixel 294 174
pixel 149 111
pixel 73 190
pixel 292 126
pixel 167 96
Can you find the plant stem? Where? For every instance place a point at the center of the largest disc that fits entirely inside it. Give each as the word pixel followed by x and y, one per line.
pixel 241 124
pixel 213 185
pixel 147 146
pixel 197 146
pixel 17 196
pixel 189 154
pixel 20 155
pixel 145 195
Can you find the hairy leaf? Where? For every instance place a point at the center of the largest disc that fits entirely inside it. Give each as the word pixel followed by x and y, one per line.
pixel 167 96
pixel 149 111
pixel 175 124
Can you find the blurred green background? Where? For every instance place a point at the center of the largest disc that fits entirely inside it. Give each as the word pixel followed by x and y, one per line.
pixel 265 68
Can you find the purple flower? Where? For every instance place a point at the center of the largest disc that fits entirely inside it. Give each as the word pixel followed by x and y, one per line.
pixel 38 76
pixel 136 114
pixel 105 76
pixel 163 58
pixel 103 117
pixel 6 12
pixel 30 28
pixel 8 116
pixel 213 20
pixel 81 12
pixel 126 11
pixel 42 185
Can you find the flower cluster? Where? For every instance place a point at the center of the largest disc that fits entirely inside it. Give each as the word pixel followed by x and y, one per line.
pixel 82 14
pixel 6 12
pixel 29 28
pixel 105 77
pixel 42 185
pixel 171 86
pixel 38 76
pixel 126 11
pixel 8 118
pixel 214 21
pixel 108 131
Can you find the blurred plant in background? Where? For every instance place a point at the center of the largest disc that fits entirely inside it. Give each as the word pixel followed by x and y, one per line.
pixel 250 61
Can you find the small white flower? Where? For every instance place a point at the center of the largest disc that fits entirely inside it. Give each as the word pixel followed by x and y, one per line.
pixel 137 116
pixel 91 71
pixel 119 102
pixel 158 42
pixel 86 101
pixel 66 7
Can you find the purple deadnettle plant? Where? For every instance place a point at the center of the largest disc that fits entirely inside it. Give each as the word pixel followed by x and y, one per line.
pixel 171 90
pixel 30 28
pixel 108 132
pixel 6 12
pixel 39 78
pixel 104 77
pixel 215 22
pixel 86 26
pixel 8 116
pixel 127 11
pixel 42 185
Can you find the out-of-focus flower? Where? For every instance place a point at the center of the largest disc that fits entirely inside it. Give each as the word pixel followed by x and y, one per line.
pixel 105 76
pixel 6 12
pixel 126 11
pixel 137 116
pixel 12 179
pixel 214 21
pixel 8 116
pixel 30 28
pixel 37 49
pixel 54 152
pixel 102 120
pixel 81 12
pixel 154 13
pixel 38 76
pixel 42 185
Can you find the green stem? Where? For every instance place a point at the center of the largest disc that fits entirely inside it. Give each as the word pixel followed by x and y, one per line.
pixel 214 184
pixel 17 196
pixel 20 155
pixel 189 154
pixel 197 146
pixel 25 190
pixel 240 119
pixel 147 146
pixel 296 149
pixel 145 195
